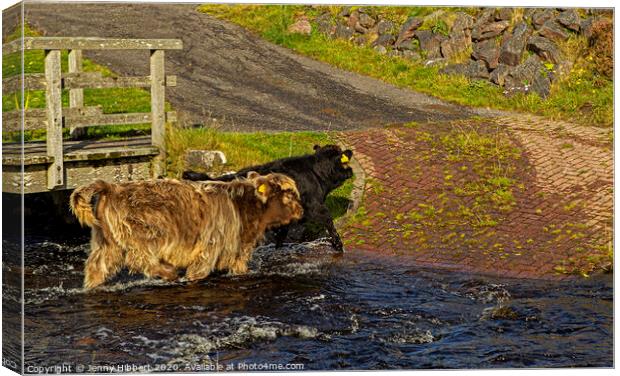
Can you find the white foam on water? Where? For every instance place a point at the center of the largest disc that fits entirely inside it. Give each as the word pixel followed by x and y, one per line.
pixel 416 337
pixel 235 332
pixel 41 295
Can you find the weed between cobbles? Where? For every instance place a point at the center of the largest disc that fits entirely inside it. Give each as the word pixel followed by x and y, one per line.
pixel 458 190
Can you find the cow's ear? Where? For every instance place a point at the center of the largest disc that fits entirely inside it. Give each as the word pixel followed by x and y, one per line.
pixel 348 153
pixel 317 147
pixel 263 190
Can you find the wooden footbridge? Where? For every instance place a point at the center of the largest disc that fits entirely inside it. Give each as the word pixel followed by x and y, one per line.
pixel 58 163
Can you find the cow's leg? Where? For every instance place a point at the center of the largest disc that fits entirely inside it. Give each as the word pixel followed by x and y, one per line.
pixel 105 259
pixel 165 271
pixel 147 261
pixel 280 233
pixel 240 265
pixel 200 269
pixel 319 213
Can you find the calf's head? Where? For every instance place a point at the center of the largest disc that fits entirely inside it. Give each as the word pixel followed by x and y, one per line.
pixel 280 196
pixel 333 164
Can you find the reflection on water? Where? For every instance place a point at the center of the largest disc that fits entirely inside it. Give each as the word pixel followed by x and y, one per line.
pixel 307 305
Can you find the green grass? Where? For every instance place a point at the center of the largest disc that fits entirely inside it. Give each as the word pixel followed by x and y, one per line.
pixel 581 96
pixel 116 100
pixel 247 149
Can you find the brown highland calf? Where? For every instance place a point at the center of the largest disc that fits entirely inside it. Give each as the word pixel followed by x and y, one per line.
pixel 154 227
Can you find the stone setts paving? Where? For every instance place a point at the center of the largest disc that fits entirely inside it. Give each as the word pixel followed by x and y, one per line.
pixel 513 196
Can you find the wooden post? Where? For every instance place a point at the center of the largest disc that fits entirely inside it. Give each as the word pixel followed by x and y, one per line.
pixel 76 96
pixel 158 116
pixel 53 107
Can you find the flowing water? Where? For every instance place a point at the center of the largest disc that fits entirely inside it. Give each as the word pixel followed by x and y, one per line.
pixel 306 307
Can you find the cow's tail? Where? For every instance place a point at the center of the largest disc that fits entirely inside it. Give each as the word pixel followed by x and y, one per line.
pixel 81 201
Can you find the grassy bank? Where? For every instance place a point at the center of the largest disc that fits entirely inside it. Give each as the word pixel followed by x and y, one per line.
pixel 581 96
pixel 247 149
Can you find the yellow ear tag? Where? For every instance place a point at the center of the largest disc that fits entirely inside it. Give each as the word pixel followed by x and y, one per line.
pixel 262 188
pixel 344 159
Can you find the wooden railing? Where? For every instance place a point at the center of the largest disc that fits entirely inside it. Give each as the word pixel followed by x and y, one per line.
pixel 77 116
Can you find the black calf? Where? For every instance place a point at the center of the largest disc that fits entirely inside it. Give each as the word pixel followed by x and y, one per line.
pixel 316 175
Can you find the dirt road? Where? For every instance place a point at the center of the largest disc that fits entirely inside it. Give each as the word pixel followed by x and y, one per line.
pixel 227 73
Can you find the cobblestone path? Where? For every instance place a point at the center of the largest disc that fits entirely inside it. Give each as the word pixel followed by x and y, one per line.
pixel 516 195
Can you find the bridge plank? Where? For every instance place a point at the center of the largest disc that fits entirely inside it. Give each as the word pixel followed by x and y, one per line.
pixel 35 152
pixel 90 43
pixel 108 119
pixel 79 80
pixel 53 106
pixel 94 80
pixel 36 118
pixel 32 81
pixel 33 119
pixel 76 96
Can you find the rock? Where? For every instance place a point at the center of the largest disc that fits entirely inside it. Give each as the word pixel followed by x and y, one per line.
pixel 531 76
pixel 380 49
pixel 488 52
pixel 408 29
pixel 413 55
pixel 460 36
pixel 551 30
pixel 360 40
pixel 503 14
pixel 499 74
pixel 359 28
pixel 544 48
pixel 486 16
pixel 366 21
pixel 529 12
pixel 513 47
pixel 343 32
pixel 409 45
pixel 601 43
pixel 384 40
pixel 204 160
pixel 592 23
pixel 302 26
pixel 325 25
pixel 430 42
pixel 471 69
pixel 570 19
pixel 454 46
pixel 541 16
pixel 490 30
pixel 463 23
pixel 345 12
pixel 384 27
pixel 353 19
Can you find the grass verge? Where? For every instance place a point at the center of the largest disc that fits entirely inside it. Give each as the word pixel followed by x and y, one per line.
pixel 247 149
pixel 580 96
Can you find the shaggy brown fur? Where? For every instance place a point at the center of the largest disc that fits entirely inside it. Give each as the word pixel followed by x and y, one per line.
pixel 156 226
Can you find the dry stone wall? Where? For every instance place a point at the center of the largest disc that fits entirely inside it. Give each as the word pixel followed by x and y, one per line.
pixel 518 49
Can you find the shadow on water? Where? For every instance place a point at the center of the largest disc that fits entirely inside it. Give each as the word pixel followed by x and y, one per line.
pixel 305 304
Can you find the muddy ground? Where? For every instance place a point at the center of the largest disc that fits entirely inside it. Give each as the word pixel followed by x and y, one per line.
pixel 230 74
